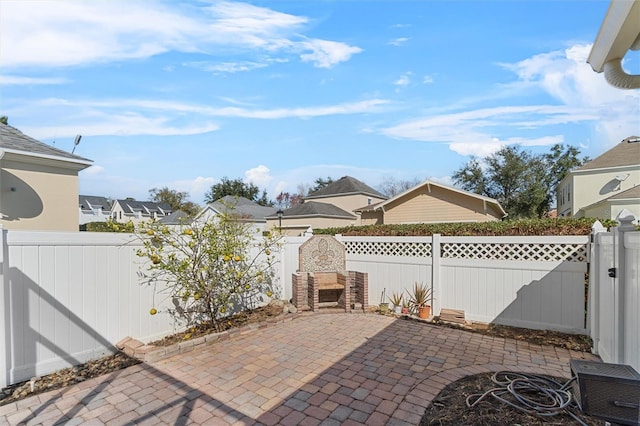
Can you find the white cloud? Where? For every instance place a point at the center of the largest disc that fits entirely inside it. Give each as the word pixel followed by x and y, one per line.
pixel 325 54
pixel 398 41
pixel 404 79
pixel 15 80
pixel 427 79
pixel 197 187
pixel 582 96
pixel 226 67
pixel 93 170
pixel 120 125
pixel 152 117
pixel 259 176
pixel 67 33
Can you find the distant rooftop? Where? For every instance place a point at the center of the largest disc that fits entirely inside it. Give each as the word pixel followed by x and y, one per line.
pixel 345 186
pixel 625 153
pixel 314 208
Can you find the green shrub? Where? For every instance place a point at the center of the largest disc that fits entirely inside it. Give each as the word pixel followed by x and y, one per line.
pixel 110 226
pixel 523 227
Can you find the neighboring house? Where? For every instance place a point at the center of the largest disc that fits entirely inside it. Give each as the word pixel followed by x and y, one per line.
pixel 94 209
pixel 38 184
pixel 129 210
pixel 347 193
pixel 242 209
pixel 601 187
pixel 305 217
pixel 431 202
pixel 331 206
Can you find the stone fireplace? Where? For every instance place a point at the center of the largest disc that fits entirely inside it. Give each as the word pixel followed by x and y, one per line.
pixel 322 280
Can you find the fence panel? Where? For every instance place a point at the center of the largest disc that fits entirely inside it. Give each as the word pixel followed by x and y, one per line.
pixel 69 297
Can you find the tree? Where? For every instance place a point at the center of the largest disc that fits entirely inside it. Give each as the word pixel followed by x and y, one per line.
pixel 284 200
pixel 237 188
pixel 210 268
pixel 178 200
pixel 4 120
pixel 321 183
pixel 523 183
pixel 391 187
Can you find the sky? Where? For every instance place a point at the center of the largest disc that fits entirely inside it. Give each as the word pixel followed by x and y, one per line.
pixel 180 94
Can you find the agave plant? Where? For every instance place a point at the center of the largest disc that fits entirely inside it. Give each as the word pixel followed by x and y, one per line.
pixel 420 296
pixel 396 299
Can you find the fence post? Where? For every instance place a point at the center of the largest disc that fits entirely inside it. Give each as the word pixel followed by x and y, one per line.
pixel 5 315
pixel 593 307
pixel 625 218
pixel 436 286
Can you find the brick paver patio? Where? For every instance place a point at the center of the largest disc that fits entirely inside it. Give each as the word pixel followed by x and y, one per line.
pixel 326 369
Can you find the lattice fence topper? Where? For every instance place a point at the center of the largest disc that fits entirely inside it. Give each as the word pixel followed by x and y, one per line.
pixel 391 248
pixel 516 251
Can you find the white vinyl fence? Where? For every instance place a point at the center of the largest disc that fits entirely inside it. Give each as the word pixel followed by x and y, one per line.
pixel 614 293
pixel 533 282
pixel 69 297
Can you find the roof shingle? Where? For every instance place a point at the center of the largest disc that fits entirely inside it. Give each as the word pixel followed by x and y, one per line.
pixel 626 153
pixel 343 186
pixel 13 139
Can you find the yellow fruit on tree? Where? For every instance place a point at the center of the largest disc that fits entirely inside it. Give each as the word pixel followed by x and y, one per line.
pixel 150 232
pixel 196 296
pixel 267 252
pixel 153 311
pixel 237 258
pixel 269 293
pixel 226 258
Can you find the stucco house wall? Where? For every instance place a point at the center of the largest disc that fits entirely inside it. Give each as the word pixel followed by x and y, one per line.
pixel 294 226
pixel 350 202
pixel 38 184
pixel 436 204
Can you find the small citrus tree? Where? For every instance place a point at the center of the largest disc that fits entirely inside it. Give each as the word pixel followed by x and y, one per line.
pixel 211 268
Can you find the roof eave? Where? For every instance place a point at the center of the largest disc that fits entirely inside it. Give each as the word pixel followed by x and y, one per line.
pixel 43 159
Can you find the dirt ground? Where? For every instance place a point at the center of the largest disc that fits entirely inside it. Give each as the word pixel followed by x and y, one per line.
pixel 450 408
pixel 452 396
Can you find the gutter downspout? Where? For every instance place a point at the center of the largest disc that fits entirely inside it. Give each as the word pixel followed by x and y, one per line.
pixel 617 77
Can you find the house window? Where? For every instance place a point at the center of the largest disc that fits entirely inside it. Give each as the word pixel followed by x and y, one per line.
pixel 368 201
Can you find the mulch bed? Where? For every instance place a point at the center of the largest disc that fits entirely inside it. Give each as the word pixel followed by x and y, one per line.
pixel 450 408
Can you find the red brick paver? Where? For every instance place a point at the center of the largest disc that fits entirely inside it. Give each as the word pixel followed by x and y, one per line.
pixel 318 369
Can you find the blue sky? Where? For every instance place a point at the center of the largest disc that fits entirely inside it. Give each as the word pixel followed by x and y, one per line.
pixel 278 93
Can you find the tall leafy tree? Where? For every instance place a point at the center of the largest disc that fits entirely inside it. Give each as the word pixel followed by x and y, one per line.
pixel 176 199
pixel 523 183
pixel 237 188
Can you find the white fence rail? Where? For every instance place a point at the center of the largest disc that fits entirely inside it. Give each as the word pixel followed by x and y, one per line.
pixel 615 293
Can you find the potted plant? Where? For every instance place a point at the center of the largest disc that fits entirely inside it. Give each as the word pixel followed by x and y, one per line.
pixel 384 306
pixel 396 301
pixel 419 299
pixel 406 305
